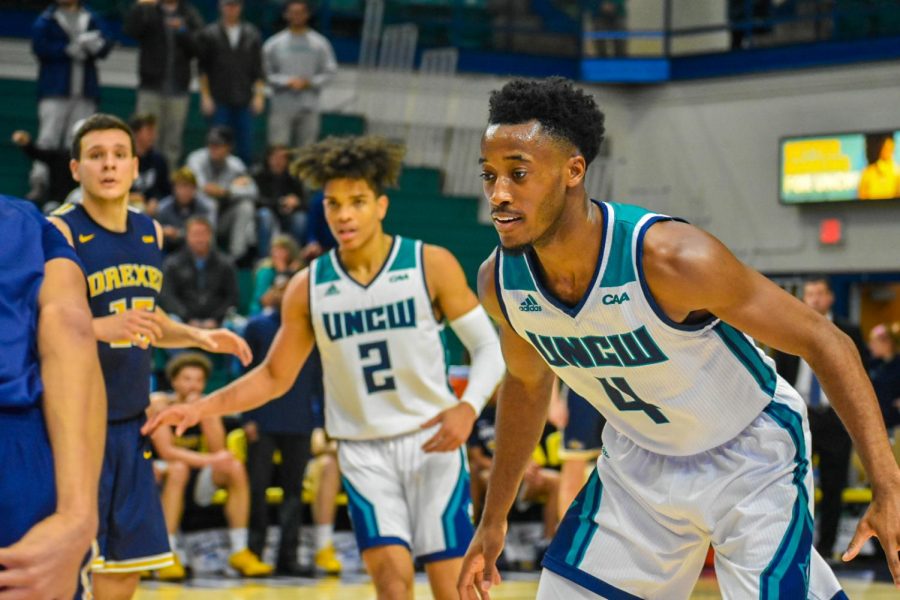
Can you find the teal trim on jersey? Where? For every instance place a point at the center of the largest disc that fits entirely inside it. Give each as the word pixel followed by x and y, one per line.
pixel 455 504
pixel 362 510
pixel 749 356
pixel 593 493
pixel 619 264
pixel 325 271
pixel 516 275
pixel 406 255
pixel 787 575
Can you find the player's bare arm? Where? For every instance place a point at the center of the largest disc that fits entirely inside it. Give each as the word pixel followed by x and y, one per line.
pixel 690 273
pixel 524 396
pixel 454 300
pixel 46 561
pixel 269 380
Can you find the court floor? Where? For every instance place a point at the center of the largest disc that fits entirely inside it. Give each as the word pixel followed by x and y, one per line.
pixel 516 586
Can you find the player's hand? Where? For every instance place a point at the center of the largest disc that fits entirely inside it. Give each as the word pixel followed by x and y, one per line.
pixel 182 416
pixel 456 425
pixel 479 568
pixel 46 562
pixel 223 341
pixel 881 520
pixel 139 327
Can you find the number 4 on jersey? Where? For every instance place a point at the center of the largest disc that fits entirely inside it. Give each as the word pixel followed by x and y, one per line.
pixel 617 388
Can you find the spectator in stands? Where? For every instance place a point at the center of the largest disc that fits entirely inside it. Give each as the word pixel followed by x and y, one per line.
pixel 231 74
pixel 60 181
pixel 201 448
pixel 281 194
pixel 885 371
pixel 181 205
pixel 299 62
pixel 319 238
pixel 541 484
pixel 200 282
pixel 67 40
pixel 283 262
pixel 604 16
pixel 152 183
pixel 284 424
pixel 223 179
pixel 165 31
pixel 880 180
pixel 829 438
pixel 324 478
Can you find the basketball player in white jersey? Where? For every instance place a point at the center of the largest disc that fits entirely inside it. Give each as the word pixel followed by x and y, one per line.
pixel 643 316
pixel 375 307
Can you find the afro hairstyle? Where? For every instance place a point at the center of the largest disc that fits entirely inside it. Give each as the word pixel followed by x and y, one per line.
pixel 375 159
pixel 563 110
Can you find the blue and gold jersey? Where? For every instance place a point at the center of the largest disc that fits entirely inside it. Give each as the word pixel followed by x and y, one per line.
pixel 28 242
pixel 124 271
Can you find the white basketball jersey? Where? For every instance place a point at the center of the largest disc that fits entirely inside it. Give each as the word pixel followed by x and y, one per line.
pixel 381 346
pixel 674 389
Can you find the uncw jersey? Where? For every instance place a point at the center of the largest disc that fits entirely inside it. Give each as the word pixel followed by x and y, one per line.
pixel 381 346
pixel 674 389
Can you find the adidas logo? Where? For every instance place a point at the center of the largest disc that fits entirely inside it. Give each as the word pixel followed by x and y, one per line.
pixel 530 305
pixel 332 290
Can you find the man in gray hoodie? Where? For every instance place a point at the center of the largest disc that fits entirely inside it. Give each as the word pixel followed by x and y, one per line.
pixel 298 62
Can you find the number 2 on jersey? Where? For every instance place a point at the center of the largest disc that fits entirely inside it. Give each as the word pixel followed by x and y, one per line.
pixel 377 371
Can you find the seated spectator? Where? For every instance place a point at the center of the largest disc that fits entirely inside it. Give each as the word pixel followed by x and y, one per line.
pixel 541 484
pixel 285 424
pixel 223 179
pixel 200 282
pixel 281 194
pixel 885 372
pixel 60 176
pixel 324 476
pixel 184 203
pixel 152 183
pixel 319 238
pixel 281 265
pixel 201 449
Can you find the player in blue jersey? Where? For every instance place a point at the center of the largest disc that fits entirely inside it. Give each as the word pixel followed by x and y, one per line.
pixel 52 409
pixel 120 250
pixel 643 316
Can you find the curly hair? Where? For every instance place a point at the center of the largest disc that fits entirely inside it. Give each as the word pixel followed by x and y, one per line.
pixel 188 359
pixel 374 159
pixel 562 110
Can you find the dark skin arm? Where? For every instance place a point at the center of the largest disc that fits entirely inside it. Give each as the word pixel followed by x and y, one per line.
pixel 685 268
pixel 525 396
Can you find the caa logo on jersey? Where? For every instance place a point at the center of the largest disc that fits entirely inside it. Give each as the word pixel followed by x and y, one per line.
pixel 615 298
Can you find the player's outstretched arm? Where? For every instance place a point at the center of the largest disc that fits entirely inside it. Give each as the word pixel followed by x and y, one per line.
pixel 459 305
pixel 521 413
pixel 45 563
pixel 690 271
pixel 179 335
pixel 271 379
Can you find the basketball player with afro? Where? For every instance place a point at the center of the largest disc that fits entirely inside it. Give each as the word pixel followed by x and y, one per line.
pixel 376 306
